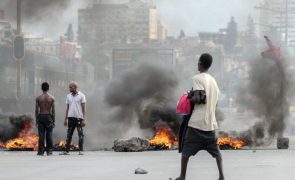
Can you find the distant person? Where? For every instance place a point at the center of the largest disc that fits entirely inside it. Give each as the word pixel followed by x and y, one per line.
pixel 75 116
pixel 45 119
pixel 200 133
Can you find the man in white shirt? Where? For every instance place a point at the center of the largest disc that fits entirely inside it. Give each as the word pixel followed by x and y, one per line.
pixel 75 116
pixel 200 134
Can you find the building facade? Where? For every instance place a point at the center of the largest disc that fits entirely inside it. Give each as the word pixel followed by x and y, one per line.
pixel 277 19
pixel 115 23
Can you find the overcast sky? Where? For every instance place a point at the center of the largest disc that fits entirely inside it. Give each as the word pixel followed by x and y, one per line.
pixel 191 15
pixel 204 15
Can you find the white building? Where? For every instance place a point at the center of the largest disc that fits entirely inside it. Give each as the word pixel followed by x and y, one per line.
pixel 277 18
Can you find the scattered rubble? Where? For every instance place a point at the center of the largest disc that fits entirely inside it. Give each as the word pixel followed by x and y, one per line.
pixel 134 144
pixel 282 143
pixel 140 171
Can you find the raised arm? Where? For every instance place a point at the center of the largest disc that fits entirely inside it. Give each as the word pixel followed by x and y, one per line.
pixel 269 42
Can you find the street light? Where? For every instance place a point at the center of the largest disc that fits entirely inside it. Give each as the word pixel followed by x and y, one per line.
pixel 18 50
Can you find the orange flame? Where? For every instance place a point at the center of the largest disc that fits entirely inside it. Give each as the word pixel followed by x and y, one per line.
pixel 2 145
pixel 164 137
pixel 234 143
pixel 62 144
pixel 24 140
pixel 26 130
pixel 28 142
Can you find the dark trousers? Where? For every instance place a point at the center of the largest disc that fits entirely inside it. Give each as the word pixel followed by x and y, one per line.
pixel 45 126
pixel 74 123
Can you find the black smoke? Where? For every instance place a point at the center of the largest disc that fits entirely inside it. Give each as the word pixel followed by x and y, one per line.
pixel 144 94
pixel 11 126
pixel 265 95
pixel 36 9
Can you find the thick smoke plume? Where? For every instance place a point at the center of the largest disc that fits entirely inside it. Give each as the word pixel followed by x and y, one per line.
pixel 11 126
pixel 144 94
pixel 266 97
pixel 32 8
pixel 36 9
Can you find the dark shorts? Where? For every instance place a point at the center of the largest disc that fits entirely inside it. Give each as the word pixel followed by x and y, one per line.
pixel 196 140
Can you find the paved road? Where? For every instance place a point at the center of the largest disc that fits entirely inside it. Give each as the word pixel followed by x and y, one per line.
pixel 239 165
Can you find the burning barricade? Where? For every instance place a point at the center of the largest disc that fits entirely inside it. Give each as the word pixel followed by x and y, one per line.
pixel 16 134
pixel 61 146
pixel 26 143
pixel 164 139
pixel 2 145
pixel 227 142
pixel 231 141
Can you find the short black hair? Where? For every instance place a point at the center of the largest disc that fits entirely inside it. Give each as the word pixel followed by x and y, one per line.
pixel 45 86
pixel 206 60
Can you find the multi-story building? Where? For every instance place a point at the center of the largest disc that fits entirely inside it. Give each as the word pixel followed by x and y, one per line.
pixel 129 22
pixel 216 37
pixel 5 30
pixel 46 47
pixel 277 19
pixel 162 31
pixel 42 45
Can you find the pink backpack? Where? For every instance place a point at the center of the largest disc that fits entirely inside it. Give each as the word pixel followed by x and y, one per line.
pixel 184 105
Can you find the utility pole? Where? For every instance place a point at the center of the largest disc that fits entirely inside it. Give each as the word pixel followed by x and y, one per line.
pixel 18 62
pixel 286 25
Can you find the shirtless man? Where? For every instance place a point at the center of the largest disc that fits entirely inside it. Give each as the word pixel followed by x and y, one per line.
pixel 45 119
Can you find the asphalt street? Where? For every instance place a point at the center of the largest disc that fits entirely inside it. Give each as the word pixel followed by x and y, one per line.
pixel 264 164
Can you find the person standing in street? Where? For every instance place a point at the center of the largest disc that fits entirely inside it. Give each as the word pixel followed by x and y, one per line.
pixel 202 124
pixel 45 119
pixel 75 116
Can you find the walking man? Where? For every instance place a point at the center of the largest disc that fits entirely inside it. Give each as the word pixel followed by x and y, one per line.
pixel 200 134
pixel 45 119
pixel 75 116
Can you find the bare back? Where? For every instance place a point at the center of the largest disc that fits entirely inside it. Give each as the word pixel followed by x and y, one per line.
pixel 45 103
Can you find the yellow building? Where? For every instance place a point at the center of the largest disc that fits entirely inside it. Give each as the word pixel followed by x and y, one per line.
pixel 163 30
